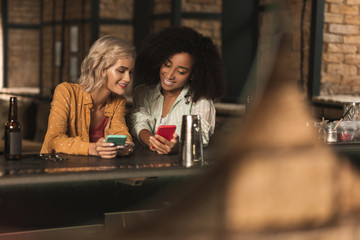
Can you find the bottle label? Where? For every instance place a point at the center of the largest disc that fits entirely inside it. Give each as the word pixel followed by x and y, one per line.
pixel 15 143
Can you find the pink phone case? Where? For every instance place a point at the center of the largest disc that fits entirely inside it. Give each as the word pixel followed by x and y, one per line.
pixel 166 131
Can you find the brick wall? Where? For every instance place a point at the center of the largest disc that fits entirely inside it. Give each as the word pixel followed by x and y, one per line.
pixel 341 55
pixel 208 27
pixel 23 48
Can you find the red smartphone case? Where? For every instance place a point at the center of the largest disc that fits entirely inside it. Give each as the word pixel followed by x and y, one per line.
pixel 166 131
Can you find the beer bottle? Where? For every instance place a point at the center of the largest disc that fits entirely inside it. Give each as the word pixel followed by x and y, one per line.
pixel 12 150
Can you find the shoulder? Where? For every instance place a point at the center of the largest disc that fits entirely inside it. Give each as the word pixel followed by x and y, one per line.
pixel 68 90
pixel 118 98
pixel 204 103
pixel 117 101
pixel 67 87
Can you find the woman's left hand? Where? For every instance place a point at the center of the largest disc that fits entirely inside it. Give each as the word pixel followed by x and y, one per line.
pixel 126 149
pixel 163 146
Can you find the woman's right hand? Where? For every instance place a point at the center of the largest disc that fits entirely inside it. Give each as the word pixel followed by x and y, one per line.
pixel 162 146
pixel 103 149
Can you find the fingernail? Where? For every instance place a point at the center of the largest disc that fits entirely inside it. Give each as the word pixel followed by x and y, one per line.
pixel 119 146
pixel 112 144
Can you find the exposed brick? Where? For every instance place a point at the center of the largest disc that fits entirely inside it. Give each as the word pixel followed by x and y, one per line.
pixel 332 38
pixel 202 1
pixel 161 23
pixel 354 80
pixel 341 48
pixel 350 19
pixel 342 88
pixel 326 7
pixel 333 18
pixel 344 69
pixel 161 6
pixel 119 9
pixel 343 9
pixel 212 6
pixel 353 2
pixel 333 57
pixel 122 31
pixel 352 39
pixel 23 62
pixel 352 59
pixel 343 29
pixel 332 78
pixel 191 23
pixel 24 12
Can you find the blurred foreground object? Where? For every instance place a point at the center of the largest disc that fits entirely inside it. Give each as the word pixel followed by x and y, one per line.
pixel 276 180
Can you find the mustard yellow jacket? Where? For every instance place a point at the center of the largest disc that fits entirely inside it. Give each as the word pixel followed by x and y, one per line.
pixel 69 120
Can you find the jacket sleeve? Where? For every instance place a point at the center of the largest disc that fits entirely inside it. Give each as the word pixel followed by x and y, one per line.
pixel 141 117
pixel 56 135
pixel 206 109
pixel 118 123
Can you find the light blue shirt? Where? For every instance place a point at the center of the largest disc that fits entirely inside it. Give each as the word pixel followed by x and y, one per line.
pixel 148 105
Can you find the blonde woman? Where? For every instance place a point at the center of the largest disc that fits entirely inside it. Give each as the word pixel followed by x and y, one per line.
pixel 82 114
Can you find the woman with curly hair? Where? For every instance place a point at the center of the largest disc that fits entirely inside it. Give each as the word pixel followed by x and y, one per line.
pixel 83 114
pixel 183 74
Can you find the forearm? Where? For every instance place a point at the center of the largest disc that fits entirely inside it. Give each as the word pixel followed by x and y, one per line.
pixel 70 145
pixel 144 136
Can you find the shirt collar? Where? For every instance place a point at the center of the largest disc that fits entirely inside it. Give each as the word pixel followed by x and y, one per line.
pixel 109 108
pixel 87 99
pixel 157 92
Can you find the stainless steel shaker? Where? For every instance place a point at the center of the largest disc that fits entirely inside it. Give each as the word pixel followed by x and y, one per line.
pixel 191 145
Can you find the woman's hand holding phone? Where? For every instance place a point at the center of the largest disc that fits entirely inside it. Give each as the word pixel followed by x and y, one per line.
pixel 103 149
pixel 106 149
pixel 161 145
pixel 126 149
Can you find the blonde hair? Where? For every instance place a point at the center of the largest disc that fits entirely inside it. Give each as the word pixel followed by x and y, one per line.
pixel 103 54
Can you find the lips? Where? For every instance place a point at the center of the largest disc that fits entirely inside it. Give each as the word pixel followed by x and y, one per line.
pixel 122 85
pixel 167 82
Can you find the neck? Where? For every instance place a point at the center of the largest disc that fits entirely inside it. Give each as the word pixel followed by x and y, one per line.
pixel 171 94
pixel 99 97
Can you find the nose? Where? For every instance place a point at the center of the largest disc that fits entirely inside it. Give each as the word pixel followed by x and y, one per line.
pixel 127 77
pixel 171 74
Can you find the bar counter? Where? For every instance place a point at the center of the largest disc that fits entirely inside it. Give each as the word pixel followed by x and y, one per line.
pixel 36 169
pixel 40 192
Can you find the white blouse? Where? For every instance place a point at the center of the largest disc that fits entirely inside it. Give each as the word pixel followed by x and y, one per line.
pixel 148 104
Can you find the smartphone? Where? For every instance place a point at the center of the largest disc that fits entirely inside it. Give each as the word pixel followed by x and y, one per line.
pixel 116 139
pixel 166 131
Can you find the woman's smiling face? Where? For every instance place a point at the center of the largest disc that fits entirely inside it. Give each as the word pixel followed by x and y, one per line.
pixel 175 72
pixel 120 75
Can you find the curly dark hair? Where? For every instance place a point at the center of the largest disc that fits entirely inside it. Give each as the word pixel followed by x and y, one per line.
pixel 207 72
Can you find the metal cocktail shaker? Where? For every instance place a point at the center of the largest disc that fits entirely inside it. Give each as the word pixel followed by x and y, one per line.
pixel 191 145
